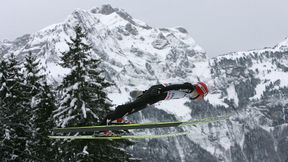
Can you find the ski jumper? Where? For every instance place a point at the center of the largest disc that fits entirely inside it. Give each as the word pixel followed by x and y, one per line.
pixel 153 95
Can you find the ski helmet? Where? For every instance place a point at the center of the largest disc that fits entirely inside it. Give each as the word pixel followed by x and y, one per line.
pixel 201 88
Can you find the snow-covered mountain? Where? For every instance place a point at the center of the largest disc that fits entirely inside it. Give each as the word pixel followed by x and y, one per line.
pixel 255 83
pixel 252 85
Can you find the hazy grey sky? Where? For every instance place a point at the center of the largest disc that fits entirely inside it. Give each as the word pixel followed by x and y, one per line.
pixel 219 26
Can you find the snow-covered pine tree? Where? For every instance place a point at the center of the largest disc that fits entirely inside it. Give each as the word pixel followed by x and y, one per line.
pixel 3 91
pixel 41 103
pixel 46 149
pixel 84 96
pixel 14 114
pixel 84 102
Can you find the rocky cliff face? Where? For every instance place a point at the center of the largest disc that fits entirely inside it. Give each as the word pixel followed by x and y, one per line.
pixel 255 84
pixel 252 85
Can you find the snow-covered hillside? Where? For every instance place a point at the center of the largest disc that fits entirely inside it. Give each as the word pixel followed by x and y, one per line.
pixel 250 85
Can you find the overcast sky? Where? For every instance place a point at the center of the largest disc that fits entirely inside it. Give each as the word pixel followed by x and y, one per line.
pixel 219 26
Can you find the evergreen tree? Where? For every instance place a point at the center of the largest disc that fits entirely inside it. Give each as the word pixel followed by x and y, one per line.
pixel 45 148
pixel 84 102
pixel 14 115
pixel 3 91
pixel 25 113
pixel 84 87
pixel 40 102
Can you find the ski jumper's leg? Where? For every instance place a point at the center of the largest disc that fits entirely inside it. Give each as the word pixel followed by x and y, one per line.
pixel 137 105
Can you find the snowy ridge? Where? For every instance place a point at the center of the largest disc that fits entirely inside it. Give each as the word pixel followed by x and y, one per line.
pixel 283 46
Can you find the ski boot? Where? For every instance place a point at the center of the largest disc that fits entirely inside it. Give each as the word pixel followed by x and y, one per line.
pixel 121 121
pixel 107 133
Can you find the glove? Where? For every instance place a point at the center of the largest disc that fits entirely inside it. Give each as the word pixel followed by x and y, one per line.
pixel 189 86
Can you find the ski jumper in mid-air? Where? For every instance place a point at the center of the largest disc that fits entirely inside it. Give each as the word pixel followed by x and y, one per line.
pixel 155 94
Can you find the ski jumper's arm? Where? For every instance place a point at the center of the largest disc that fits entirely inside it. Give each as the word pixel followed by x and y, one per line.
pixel 184 86
pixel 176 91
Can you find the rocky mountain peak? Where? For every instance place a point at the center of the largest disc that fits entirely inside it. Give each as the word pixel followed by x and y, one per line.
pixel 108 10
pixel 105 10
pixel 126 45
